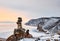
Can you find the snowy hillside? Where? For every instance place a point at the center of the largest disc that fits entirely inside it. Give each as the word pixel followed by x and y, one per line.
pixel 42 20
pixel 35 22
pixel 52 24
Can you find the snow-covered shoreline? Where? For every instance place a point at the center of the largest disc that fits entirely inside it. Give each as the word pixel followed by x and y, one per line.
pixel 35 33
pixel 43 36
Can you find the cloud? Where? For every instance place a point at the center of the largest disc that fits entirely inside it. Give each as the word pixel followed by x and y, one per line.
pixel 36 8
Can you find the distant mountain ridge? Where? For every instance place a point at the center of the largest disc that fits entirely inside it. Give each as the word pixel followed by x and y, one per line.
pixel 35 22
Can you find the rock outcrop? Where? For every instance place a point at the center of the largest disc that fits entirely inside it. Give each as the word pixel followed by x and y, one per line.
pixel 51 24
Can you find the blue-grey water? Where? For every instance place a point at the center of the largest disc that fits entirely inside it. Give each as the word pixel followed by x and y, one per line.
pixel 7 27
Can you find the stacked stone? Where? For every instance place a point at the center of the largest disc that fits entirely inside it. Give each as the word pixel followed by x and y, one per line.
pixel 18 33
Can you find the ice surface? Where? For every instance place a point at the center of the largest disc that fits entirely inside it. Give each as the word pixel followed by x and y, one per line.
pixel 5 34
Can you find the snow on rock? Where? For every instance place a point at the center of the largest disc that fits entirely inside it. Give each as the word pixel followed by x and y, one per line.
pixel 28 39
pixel 50 24
pixel 35 22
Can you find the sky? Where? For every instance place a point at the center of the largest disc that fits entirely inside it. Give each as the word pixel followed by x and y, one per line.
pixel 10 15
pixel 28 9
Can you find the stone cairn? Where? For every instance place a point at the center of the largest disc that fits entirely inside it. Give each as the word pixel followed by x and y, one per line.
pixel 18 33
